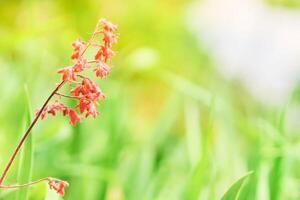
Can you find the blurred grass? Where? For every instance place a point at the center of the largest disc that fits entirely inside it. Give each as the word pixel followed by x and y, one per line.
pixel 291 4
pixel 170 127
pixel 234 192
pixel 26 154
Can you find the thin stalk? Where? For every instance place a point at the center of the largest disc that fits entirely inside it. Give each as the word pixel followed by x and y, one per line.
pixel 17 149
pixel 67 96
pixel 92 61
pixel 30 183
pixel 81 76
pixel 24 185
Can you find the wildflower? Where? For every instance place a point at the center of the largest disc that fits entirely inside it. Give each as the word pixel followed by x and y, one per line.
pixel 77 90
pixel 109 38
pixel 55 107
pixel 108 25
pixel 81 65
pixel 67 74
pixel 82 105
pixel 104 53
pixel 88 106
pixel 58 186
pixel 89 85
pixel 91 91
pixel 102 69
pixel 78 46
pixel 74 117
pixel 91 110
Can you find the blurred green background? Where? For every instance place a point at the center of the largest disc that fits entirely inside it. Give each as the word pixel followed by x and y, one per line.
pixel 170 127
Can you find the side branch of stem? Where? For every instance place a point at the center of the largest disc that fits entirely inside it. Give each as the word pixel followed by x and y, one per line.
pixel 66 96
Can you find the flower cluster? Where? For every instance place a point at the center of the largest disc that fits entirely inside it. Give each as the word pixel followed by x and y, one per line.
pixel 85 91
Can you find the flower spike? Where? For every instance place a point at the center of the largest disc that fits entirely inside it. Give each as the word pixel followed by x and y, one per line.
pixel 85 91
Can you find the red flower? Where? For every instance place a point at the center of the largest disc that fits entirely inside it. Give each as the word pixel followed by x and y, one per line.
pixel 91 110
pixel 109 38
pixel 102 69
pixel 76 91
pixel 81 65
pixel 89 85
pixel 78 46
pixel 88 89
pixel 108 25
pixel 82 105
pixel 88 106
pixel 55 107
pixel 99 55
pixel 91 91
pixel 67 74
pixel 74 117
pixel 104 53
pixel 58 186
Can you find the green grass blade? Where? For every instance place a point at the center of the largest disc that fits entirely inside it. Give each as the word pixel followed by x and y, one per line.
pixel 193 132
pixel 276 171
pixel 187 88
pixel 26 156
pixel 201 172
pixel 234 191
pixel 275 178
